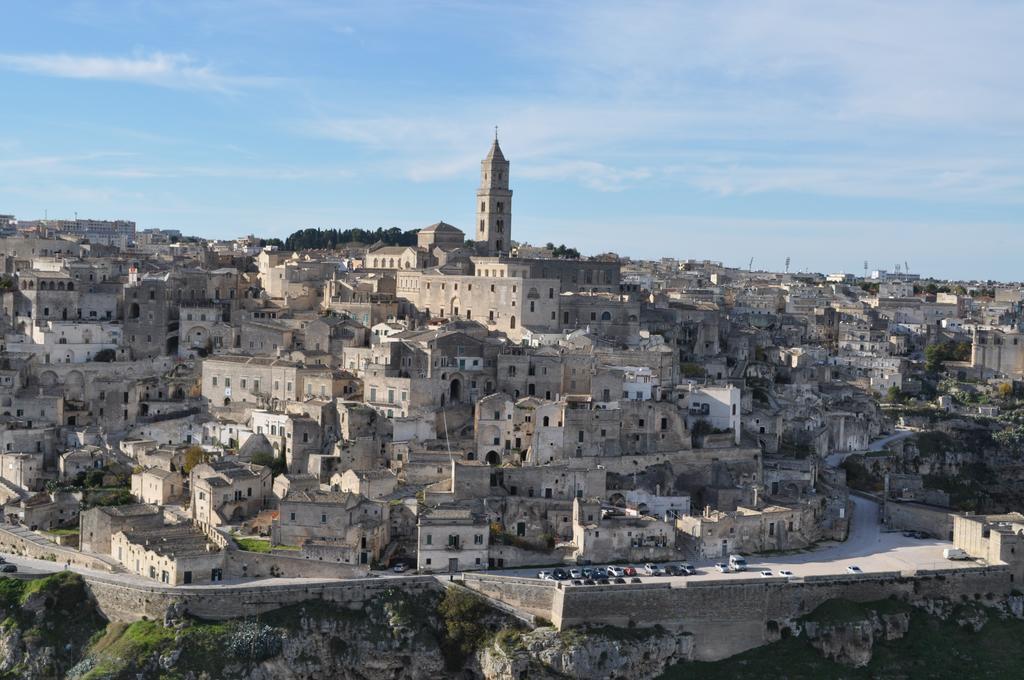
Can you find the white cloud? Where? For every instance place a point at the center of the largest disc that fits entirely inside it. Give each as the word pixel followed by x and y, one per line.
pixel 592 174
pixel 177 71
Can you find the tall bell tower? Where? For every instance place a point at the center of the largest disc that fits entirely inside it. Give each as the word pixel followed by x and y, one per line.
pixel 494 203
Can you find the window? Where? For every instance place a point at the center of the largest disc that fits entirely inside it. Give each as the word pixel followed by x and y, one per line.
pixel 430 539
pixel 323 519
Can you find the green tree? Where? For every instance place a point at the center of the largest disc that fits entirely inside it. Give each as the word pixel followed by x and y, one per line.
pixel 195 455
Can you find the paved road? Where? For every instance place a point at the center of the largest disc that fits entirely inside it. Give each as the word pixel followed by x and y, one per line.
pixel 835 459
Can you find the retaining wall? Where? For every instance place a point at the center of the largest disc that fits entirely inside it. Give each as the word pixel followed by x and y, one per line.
pixel 727 618
pixel 530 595
pixel 127 602
pixel 21 541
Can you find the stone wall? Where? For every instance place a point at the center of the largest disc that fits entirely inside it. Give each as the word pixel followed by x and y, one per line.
pixel 936 521
pixel 728 618
pixel 21 541
pixel 530 595
pixel 246 564
pixel 127 602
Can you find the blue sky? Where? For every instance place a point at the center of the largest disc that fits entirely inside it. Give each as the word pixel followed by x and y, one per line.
pixel 832 133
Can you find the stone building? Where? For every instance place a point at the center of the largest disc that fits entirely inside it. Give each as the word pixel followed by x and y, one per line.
pixel 355 526
pixel 172 555
pixel 992 538
pixel 440 235
pixel 998 351
pixel 494 198
pixel 717 534
pixel 97 526
pixel 226 492
pixel 157 487
pixel 604 536
pixel 450 540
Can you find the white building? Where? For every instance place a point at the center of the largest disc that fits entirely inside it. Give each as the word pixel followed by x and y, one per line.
pixel 719 406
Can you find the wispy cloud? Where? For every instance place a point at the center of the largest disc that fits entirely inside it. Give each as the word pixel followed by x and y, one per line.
pixel 591 174
pixel 176 71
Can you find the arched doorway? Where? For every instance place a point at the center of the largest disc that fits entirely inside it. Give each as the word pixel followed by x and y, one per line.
pixel 493 458
pixel 618 500
pixel 455 391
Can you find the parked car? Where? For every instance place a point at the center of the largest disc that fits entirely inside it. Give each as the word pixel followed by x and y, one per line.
pixel 635 579
pixel 618 579
pixel 955 554
pixel 922 534
pixel 545 576
pixel 587 572
pixel 688 569
pixel 653 570
pixel 629 571
pixel 766 573
pixel 853 569
pixel 560 574
pixel 785 573
pixel 400 568
pixel 616 571
pixel 737 563
pixel 722 567
pixel 575 573
pixel 910 534
pixel 8 568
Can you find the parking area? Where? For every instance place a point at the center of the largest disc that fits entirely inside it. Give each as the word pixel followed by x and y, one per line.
pixel 868 548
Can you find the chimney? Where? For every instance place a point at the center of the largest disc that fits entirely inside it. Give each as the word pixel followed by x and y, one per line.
pixel 707 511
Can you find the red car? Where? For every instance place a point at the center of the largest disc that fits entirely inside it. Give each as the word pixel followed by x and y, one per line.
pixel 629 571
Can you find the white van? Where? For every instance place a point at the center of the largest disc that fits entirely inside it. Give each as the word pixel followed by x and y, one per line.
pixel 955 554
pixel 737 563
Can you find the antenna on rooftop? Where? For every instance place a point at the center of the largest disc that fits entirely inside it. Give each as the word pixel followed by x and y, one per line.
pixel 865 269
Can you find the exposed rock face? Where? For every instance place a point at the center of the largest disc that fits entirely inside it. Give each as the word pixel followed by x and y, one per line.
pixel 851 642
pixel 545 653
pixel 328 648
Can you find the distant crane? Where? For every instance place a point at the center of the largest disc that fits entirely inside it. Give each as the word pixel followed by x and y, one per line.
pixel 906 267
pixel 750 267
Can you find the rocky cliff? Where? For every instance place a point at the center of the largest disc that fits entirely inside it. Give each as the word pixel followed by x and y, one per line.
pixel 51 629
